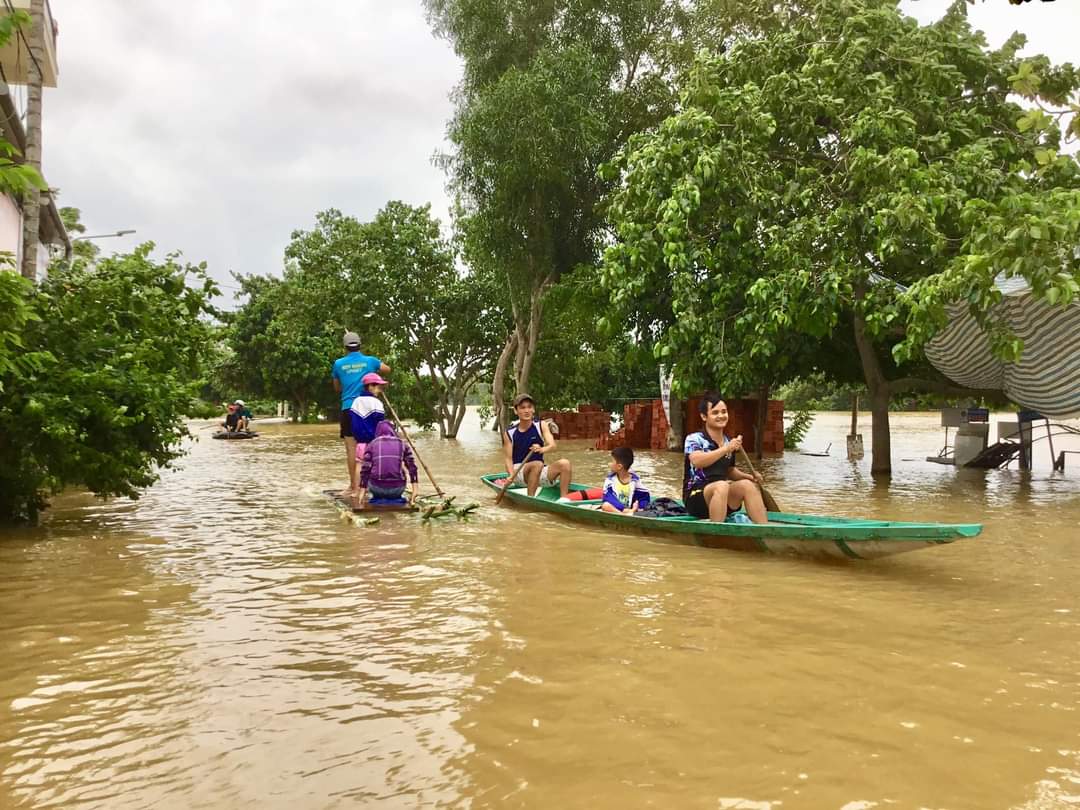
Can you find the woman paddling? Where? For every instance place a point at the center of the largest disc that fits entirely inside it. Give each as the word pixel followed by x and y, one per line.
pixel 713 487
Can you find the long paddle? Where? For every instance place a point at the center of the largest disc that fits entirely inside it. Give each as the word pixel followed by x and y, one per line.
pixel 401 427
pixel 770 502
pixel 513 475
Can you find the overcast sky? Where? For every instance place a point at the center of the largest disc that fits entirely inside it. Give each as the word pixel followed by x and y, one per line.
pixel 217 128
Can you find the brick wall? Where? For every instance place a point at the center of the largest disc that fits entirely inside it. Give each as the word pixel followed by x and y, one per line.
pixel 646 428
pixel 587 422
pixel 743 419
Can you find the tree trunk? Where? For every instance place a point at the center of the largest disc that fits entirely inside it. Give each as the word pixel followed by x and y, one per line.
pixel 676 436
pixel 443 410
pixel 759 427
pixel 881 443
pixel 31 203
pixel 528 337
pixel 498 384
pixel 880 392
pixel 457 417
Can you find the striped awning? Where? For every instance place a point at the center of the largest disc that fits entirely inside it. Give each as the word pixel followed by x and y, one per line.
pixel 1047 378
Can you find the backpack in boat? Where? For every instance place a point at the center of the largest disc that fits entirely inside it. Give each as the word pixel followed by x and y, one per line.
pixel 662 507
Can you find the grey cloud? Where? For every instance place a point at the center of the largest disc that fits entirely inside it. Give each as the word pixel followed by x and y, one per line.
pixel 219 128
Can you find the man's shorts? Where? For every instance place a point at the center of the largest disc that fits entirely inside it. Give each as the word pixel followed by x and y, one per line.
pixel 519 479
pixel 346 424
pixel 697 507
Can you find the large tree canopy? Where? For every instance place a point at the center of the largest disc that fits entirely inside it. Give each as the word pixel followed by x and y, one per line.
pixel 840 180
pixel 550 91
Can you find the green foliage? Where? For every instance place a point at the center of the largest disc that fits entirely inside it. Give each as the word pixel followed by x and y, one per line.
pixel 816 392
pixel 16 178
pixel 201 409
pixel 579 361
pixel 527 150
pixel 395 282
pixel 98 393
pixel 275 351
pixel 849 172
pixel 550 91
pixel 794 432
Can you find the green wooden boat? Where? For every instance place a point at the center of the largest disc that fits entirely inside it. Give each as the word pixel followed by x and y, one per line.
pixel 785 533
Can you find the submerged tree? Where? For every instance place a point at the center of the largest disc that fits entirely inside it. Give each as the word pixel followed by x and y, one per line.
pixel 842 179
pixel 98 392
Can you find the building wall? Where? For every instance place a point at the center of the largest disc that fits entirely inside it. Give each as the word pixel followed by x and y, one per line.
pixel 10 229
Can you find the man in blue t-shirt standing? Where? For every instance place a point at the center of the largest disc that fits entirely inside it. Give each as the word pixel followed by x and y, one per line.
pixel 348 377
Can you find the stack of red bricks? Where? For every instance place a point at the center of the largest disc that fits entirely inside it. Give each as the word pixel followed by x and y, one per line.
pixel 587 422
pixel 644 427
pixel 742 419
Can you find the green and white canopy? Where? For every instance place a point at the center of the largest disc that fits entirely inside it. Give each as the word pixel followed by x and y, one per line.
pixel 1047 378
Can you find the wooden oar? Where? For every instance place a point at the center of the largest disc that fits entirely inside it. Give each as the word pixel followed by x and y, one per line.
pixel 513 475
pixel 770 502
pixel 401 427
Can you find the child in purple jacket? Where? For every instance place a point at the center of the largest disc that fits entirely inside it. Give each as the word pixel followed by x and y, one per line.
pixel 382 472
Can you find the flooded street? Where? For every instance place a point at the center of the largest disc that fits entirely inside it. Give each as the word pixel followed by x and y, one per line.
pixel 229 641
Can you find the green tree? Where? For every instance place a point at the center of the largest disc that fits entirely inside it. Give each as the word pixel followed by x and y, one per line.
pixel 442 324
pixel 550 91
pixel 525 170
pixel 98 392
pixel 579 361
pixel 842 179
pixel 394 281
pixel 276 352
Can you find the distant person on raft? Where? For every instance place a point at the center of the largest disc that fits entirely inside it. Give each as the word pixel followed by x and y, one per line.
pixel 234 420
pixel 529 435
pixel 348 377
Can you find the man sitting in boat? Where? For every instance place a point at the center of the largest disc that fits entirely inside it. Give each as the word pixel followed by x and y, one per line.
pixel 623 490
pixel 245 414
pixel 234 420
pixel 382 470
pixel 531 439
pixel 713 487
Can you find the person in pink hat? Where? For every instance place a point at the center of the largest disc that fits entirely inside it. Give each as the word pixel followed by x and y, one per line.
pixel 367 411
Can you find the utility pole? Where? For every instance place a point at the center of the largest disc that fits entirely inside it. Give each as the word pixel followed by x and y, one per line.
pixel 32 200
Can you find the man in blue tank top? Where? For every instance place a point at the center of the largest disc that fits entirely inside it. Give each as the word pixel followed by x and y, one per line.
pixel 532 436
pixel 348 377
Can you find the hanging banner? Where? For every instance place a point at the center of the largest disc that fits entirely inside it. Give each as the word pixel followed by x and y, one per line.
pixel 665 392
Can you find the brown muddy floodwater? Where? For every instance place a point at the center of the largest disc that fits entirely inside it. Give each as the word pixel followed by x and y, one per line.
pixel 229 642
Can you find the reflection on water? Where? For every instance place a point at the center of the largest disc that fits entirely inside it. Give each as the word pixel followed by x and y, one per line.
pixel 228 641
